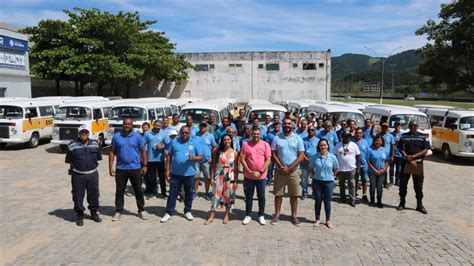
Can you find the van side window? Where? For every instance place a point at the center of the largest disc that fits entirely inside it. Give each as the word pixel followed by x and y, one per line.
pixel 33 112
pixel 46 111
pixel 168 111
pixel 151 114
pixel 106 111
pixel 436 121
pixel 97 114
pixel 376 118
pixel 450 121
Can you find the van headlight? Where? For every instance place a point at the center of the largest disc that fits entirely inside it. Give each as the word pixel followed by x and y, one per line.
pixel 467 144
pixel 13 131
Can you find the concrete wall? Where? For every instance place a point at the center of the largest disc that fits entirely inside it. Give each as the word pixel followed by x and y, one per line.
pixel 251 82
pixel 15 81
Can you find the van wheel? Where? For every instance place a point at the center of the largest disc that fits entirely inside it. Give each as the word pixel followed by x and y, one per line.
pixel 34 140
pixel 63 147
pixel 447 155
pixel 3 145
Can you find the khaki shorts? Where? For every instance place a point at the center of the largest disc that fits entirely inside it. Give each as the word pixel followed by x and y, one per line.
pixel 281 181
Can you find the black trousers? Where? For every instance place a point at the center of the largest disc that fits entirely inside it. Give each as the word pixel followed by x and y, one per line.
pixel 121 179
pixel 156 169
pixel 417 184
pixel 81 184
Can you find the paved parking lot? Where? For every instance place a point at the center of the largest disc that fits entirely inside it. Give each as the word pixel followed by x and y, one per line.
pixel 38 226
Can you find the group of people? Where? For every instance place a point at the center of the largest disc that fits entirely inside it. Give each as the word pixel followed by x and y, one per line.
pixel 275 152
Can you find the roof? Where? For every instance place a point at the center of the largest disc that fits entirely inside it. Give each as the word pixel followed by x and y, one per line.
pixel 211 105
pixel 386 110
pixel 332 108
pixel 446 112
pixel 90 104
pixel 273 107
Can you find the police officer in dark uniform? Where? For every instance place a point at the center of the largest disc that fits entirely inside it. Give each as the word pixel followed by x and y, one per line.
pixel 413 146
pixel 83 155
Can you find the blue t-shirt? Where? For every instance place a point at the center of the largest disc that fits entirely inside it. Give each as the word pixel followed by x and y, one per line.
pixel 302 134
pixel 364 149
pixel 180 163
pixel 323 167
pixel 366 135
pixel 270 137
pixel 236 142
pixel 378 158
pixel 167 130
pixel 287 147
pixel 310 146
pixel 388 140
pixel 396 138
pixel 207 142
pixel 127 149
pixel 331 137
pixel 194 130
pixel 271 129
pixel 220 132
pixel 151 140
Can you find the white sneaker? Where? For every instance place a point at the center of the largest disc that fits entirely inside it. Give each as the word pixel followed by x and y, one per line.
pixel 261 220
pixel 165 218
pixel 246 220
pixel 116 217
pixel 189 216
pixel 143 215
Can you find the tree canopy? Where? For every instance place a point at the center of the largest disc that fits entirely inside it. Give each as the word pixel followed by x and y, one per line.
pixel 101 47
pixel 449 56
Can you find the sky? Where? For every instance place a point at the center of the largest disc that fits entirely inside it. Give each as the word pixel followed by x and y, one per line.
pixel 344 26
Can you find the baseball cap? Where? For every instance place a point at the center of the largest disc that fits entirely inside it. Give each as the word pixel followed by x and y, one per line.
pixel 82 128
pixel 173 132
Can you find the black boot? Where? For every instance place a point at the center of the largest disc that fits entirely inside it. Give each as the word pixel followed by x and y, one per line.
pixel 420 207
pixel 401 206
pixel 80 219
pixel 95 217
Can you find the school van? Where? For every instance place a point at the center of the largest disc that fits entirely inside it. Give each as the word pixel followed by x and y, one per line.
pixel 197 110
pixel 26 121
pixel 139 111
pixel 262 110
pixel 338 113
pixel 392 113
pixel 452 131
pixel 69 117
pixel 299 108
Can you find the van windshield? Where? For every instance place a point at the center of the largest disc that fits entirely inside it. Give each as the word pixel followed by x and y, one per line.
pixel 405 119
pixel 197 115
pixel 136 113
pixel 262 114
pixel 358 118
pixel 466 123
pixel 11 112
pixel 73 113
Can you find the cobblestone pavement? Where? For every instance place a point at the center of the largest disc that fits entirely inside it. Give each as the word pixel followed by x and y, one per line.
pixel 38 226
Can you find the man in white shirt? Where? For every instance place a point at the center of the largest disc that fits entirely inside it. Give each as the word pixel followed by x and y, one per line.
pixel 348 158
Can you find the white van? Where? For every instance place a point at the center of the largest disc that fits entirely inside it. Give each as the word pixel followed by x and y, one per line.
pixel 139 111
pixel 69 117
pixel 453 132
pixel 197 110
pixel 338 112
pixel 26 121
pixel 358 106
pixel 424 107
pixel 392 114
pixel 262 110
pixel 231 103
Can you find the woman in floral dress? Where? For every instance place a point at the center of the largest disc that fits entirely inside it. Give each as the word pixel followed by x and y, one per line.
pixel 223 178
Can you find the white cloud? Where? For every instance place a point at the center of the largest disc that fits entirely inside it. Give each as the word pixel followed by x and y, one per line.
pixel 22 18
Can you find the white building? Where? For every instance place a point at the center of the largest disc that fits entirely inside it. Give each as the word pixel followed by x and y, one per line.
pixel 14 63
pixel 274 76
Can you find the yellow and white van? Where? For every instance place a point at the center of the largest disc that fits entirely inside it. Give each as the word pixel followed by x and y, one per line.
pixel 26 121
pixel 338 112
pixel 140 112
pixel 398 113
pixel 69 117
pixel 453 132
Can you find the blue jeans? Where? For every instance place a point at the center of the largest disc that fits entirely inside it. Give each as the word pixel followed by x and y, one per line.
pixel 176 183
pixel 304 180
pixel 322 191
pixel 395 168
pixel 271 167
pixel 249 188
pixel 376 182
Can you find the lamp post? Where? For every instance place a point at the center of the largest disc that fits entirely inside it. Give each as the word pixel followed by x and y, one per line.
pixel 383 67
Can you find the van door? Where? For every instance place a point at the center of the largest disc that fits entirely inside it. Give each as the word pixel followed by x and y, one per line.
pixel 451 134
pixel 436 123
pixel 46 114
pixel 99 123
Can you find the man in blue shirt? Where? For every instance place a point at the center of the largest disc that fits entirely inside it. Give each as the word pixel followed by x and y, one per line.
pixel 287 153
pixel 156 141
pixel 310 144
pixel 183 154
pixel 166 127
pixel 329 135
pixel 396 164
pixel 366 129
pixel 302 130
pixel 256 124
pixel 272 133
pixel 129 148
pixel 209 146
pixel 189 122
pixel 222 130
pixel 362 173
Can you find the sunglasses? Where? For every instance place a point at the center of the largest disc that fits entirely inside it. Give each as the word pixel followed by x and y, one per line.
pixel 183 133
